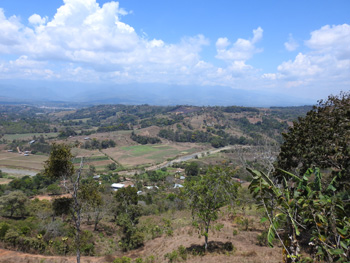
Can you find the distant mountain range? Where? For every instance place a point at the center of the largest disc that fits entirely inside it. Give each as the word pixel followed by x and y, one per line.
pixel 33 92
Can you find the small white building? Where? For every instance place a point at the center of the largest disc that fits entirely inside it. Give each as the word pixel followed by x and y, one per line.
pixel 178 186
pixel 150 187
pixel 116 186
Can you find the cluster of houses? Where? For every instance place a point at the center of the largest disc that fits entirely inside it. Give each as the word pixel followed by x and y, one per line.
pixel 128 182
pixel 118 186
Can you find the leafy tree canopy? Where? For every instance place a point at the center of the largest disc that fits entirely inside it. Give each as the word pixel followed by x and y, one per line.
pixel 13 203
pixel 60 162
pixel 321 139
pixel 207 195
pixel 128 213
pixel 192 169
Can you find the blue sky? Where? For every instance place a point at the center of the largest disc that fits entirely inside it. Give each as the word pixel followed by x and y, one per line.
pixel 297 48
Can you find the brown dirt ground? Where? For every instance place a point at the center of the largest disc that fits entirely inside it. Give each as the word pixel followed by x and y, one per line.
pixel 197 121
pixel 4 181
pixel 50 197
pixel 122 138
pixel 254 119
pixel 245 244
pixel 151 131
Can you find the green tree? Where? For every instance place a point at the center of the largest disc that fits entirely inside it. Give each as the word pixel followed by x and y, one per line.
pixel 62 206
pixel 192 169
pixel 207 195
pixel 92 199
pixel 42 209
pixel 54 189
pixel 14 203
pixel 128 214
pixel 92 169
pixel 60 166
pixel 112 166
pixel 320 139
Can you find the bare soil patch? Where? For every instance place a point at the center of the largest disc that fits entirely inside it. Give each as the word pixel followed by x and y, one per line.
pixel 4 180
pixel 50 197
pixel 254 120
pixel 197 121
pixel 151 131
pixel 8 256
pixel 121 138
pixel 245 245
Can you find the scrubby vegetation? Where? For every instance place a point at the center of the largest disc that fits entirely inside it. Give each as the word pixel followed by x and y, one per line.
pixel 297 197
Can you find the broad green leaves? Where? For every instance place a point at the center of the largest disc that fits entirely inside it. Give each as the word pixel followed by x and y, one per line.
pixel 305 209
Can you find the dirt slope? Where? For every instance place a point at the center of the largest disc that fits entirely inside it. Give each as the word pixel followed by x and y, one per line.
pixel 245 244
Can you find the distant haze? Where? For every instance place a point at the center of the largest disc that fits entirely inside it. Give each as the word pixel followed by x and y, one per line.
pixel 255 53
pixel 153 94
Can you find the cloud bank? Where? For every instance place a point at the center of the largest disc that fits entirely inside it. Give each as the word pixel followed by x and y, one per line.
pixel 86 42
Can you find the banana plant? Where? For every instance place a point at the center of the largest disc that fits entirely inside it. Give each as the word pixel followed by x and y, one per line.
pixel 303 208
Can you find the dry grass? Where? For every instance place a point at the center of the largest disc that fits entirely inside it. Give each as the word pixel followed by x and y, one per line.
pixel 245 244
pixel 151 131
pixel 15 160
pixel 4 180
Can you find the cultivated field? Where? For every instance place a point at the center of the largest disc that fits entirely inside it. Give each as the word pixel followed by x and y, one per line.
pixel 136 155
pixel 19 161
pixel 29 136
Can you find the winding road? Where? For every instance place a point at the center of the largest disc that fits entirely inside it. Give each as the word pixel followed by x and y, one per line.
pixel 180 159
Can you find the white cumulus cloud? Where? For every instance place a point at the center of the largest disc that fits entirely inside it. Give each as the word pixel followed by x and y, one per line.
pixel 242 49
pixel 325 66
pixel 9 31
pixel 329 55
pixel 302 66
pixel 93 37
pixel 37 19
pixel 333 40
pixel 88 42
